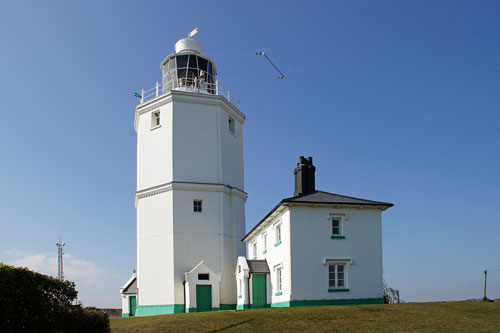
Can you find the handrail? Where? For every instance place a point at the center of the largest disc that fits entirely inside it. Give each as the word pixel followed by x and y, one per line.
pixel 191 85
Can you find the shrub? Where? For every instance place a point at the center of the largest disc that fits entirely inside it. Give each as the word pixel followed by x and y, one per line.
pixel 32 301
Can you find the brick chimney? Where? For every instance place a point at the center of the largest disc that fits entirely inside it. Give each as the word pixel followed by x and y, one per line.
pixel 304 177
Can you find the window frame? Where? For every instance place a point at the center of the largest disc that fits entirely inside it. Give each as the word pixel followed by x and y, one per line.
pixel 337 217
pixel 194 206
pixel 278 233
pixel 264 241
pixel 279 280
pixel 345 263
pixel 254 249
pixel 231 125
pixel 155 119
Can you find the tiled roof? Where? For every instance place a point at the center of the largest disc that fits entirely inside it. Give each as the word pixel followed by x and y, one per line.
pixel 258 266
pixel 326 197
pixel 320 197
pixel 131 288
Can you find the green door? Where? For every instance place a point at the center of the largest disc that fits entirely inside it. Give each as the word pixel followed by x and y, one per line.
pixel 132 305
pixel 203 298
pixel 259 290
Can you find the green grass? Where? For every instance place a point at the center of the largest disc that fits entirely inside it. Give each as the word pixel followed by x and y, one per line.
pixel 409 317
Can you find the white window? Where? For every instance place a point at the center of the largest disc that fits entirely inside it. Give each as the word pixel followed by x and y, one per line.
pixel 155 119
pixel 197 205
pixel 239 287
pixel 277 229
pixel 337 276
pixel 279 280
pixel 337 226
pixel 264 240
pixel 254 250
pixel 231 125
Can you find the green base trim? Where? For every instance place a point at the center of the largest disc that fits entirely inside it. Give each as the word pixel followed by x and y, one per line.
pixel 125 315
pixel 278 294
pixel 154 310
pixel 242 307
pixel 337 290
pixel 264 252
pixel 227 307
pixel 281 304
pixel 337 237
pixel 188 310
pixel 277 243
pixel 215 309
pixel 352 301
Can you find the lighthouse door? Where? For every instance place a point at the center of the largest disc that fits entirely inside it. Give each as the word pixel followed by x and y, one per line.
pixel 258 290
pixel 203 298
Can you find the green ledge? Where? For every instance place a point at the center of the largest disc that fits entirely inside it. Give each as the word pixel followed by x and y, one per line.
pixel 125 315
pixel 242 307
pixel 278 294
pixel 154 310
pixel 264 252
pixel 188 310
pixel 254 258
pixel 337 290
pixel 240 296
pixel 277 243
pixel 319 302
pixel 337 237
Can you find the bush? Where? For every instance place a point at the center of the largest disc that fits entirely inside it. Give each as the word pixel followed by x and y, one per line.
pixel 32 301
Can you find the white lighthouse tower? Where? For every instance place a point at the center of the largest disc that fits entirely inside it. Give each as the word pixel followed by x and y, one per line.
pixel 190 195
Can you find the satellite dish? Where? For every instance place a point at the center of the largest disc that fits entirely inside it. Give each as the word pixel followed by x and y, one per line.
pixel 192 33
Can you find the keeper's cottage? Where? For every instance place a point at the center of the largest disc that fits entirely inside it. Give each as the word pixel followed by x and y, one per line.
pixel 313 248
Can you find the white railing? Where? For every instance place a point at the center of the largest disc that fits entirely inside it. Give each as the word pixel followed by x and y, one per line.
pixel 191 85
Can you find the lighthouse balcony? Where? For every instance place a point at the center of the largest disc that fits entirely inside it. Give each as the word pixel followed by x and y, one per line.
pixel 197 86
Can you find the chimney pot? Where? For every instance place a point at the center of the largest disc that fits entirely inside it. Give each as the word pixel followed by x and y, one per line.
pixel 304 177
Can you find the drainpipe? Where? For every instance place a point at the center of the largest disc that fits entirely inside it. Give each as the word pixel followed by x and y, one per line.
pixel 184 292
pixel 248 287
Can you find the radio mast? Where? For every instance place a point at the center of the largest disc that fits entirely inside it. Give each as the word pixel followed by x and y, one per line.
pixel 60 272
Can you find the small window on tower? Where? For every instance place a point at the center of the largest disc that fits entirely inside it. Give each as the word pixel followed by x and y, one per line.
pixel 231 124
pixel 203 276
pixel 197 206
pixel 155 119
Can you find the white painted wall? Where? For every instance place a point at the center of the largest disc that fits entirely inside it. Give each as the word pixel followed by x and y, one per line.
pixel 276 255
pixel 192 281
pixel 192 155
pixel 311 231
pixel 306 244
pixel 155 250
pixel 125 304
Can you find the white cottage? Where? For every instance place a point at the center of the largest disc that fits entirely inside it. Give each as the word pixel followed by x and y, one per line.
pixel 315 248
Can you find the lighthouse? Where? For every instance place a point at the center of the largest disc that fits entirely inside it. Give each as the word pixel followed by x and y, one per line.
pixel 190 197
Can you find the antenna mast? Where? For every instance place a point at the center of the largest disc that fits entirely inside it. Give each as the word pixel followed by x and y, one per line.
pixel 60 272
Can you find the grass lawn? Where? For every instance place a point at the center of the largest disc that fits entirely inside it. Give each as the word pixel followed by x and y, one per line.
pixel 408 317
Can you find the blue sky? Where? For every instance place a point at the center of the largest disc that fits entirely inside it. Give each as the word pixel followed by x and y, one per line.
pixel 396 101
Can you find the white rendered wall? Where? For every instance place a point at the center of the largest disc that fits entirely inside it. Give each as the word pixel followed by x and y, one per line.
pixel 125 304
pixel 192 145
pixel 276 255
pixel 311 231
pixel 155 250
pixel 209 236
pixel 154 148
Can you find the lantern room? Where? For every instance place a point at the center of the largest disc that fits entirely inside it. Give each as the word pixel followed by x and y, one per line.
pixel 188 70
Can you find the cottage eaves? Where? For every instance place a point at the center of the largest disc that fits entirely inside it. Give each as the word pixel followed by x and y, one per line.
pixel 321 198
